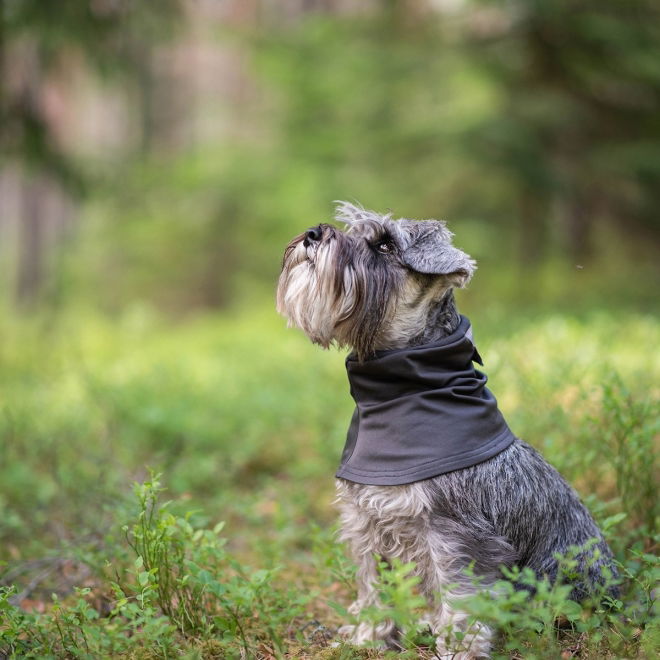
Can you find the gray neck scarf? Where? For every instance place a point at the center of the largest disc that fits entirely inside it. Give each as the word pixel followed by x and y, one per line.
pixel 421 412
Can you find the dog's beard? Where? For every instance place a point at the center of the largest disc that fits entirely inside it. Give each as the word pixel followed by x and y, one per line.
pixel 312 293
pixel 335 292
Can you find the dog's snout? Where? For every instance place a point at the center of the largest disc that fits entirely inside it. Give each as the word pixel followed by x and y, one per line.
pixel 313 235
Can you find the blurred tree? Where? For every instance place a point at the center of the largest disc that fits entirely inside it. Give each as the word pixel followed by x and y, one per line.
pixel 39 39
pixel 365 102
pixel 578 125
pixel 521 122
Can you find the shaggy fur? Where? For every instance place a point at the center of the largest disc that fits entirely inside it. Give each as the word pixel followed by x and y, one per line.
pixel 386 284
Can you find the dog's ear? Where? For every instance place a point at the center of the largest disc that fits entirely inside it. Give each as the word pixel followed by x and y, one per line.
pixel 432 253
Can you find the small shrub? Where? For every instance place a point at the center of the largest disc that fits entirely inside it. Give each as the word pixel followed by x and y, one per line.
pixel 182 585
pixel 201 589
pixel 628 427
pixel 75 630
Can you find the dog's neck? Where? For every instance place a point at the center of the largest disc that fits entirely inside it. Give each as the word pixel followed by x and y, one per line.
pixel 424 321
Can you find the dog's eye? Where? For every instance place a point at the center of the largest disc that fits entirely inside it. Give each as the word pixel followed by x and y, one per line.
pixel 384 247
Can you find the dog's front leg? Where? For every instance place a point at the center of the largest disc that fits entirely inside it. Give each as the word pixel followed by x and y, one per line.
pixel 359 529
pixel 367 596
pixel 473 640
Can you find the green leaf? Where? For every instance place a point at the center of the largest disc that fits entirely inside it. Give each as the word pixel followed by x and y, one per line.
pixel 613 521
pixel 571 610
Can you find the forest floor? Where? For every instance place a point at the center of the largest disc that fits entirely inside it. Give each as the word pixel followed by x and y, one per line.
pixel 166 490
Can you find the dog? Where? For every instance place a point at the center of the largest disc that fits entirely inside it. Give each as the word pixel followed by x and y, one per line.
pixel 431 473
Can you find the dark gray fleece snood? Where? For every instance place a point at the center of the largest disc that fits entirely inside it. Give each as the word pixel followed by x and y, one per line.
pixel 421 412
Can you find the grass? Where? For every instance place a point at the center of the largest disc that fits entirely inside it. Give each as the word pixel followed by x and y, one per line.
pixel 245 420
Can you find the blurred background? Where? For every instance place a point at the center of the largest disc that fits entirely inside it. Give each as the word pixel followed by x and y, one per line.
pixel 162 154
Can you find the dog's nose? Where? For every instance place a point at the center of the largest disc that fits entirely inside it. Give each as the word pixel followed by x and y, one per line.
pixel 313 235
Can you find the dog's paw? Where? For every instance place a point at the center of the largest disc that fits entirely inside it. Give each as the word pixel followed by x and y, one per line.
pixel 381 635
pixel 361 634
pixel 478 650
pixel 346 632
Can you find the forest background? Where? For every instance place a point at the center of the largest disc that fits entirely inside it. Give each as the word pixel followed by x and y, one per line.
pixel 155 159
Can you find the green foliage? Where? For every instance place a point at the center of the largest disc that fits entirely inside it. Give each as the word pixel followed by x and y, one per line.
pixel 183 584
pixel 75 629
pixel 630 426
pixel 533 618
pixel 162 543
pixel 201 588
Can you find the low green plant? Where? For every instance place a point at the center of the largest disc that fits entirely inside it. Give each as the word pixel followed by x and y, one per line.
pixel 628 427
pixel 197 584
pixel 74 629
pixel 399 603
pixel 544 622
pixel 164 546
pixel 182 585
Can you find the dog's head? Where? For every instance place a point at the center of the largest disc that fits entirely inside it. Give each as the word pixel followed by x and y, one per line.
pixel 369 286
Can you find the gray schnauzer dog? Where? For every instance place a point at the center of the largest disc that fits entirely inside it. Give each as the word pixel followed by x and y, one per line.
pixel 431 473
